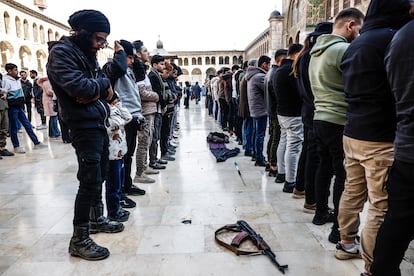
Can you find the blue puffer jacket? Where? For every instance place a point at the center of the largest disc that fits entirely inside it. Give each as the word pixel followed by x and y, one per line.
pixel 72 75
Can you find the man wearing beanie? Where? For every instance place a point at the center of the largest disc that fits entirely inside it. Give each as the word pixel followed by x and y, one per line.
pixel 82 91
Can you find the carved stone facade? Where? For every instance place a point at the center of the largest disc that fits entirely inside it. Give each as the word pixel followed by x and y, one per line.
pixel 25 32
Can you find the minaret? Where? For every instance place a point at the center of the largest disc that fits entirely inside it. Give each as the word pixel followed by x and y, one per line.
pixel 276 22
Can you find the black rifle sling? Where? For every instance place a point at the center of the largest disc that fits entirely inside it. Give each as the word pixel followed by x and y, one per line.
pixel 233 228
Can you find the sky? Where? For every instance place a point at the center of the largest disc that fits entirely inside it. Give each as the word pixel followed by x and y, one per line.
pixel 182 25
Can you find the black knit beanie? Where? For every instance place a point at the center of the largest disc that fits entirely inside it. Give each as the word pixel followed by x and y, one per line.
pixel 90 20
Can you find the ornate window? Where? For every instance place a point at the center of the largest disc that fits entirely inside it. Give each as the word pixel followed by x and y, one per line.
pixel 18 27
pixel 347 3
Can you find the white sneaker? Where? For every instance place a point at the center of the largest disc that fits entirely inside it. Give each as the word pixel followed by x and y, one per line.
pixel 150 170
pixel 40 146
pixel 19 150
pixel 143 179
pixel 41 127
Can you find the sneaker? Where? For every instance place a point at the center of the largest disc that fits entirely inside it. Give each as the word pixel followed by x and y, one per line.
pixel 126 202
pixel 168 157
pixel 334 237
pixel 151 171
pixel 298 194
pixel 280 178
pixel 19 150
pixel 309 208
pixel 162 161
pixel 157 166
pixel 6 152
pixel 288 187
pixel 345 254
pixel 40 146
pixel 143 179
pixel 135 191
pixel 321 219
pixel 41 127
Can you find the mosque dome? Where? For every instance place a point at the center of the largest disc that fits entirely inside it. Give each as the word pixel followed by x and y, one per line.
pixel 275 13
pixel 159 44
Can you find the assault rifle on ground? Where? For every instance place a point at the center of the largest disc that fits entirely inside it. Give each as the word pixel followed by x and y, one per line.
pixel 246 232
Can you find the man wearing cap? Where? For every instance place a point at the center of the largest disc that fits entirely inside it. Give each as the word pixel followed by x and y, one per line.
pixel 271 104
pixel 328 89
pixel 83 91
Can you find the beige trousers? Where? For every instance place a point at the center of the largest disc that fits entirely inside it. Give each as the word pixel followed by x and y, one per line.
pixel 367 165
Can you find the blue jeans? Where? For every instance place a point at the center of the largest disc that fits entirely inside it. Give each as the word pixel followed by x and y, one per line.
pixel 91 146
pixel 114 185
pixel 16 117
pixel 248 134
pixel 53 127
pixel 260 125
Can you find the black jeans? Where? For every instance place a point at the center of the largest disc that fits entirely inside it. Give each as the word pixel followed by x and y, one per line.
pixel 308 165
pixel 224 113
pixel 165 132
pixel 29 111
pixel 331 156
pixel 397 230
pixel 91 146
pixel 274 137
pixel 131 131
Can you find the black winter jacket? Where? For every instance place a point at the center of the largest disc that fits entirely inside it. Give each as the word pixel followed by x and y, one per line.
pixel 72 75
pixel 289 102
pixel 399 62
pixel 370 115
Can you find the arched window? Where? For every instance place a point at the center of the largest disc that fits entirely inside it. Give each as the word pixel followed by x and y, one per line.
pixel 18 27
pixel 185 61
pixel 26 29
pixel 180 62
pixel 199 61
pixel 240 60
pixel 221 60
pixel 213 60
pixel 42 34
pixel 235 60
pixel 50 35
pixel 207 60
pixel 35 33
pixel 57 36
pixel 6 23
pixel 193 61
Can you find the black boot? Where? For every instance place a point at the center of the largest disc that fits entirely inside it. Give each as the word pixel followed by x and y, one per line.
pixel 99 223
pixel 82 246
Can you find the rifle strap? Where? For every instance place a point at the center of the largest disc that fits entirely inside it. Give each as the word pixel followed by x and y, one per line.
pixel 233 228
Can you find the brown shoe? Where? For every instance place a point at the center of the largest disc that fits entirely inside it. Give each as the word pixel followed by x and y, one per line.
pixel 298 194
pixel 309 208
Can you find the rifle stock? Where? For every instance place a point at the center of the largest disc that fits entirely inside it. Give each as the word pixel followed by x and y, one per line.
pixel 259 242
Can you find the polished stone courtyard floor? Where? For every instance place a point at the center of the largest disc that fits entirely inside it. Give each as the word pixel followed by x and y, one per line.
pixel 37 191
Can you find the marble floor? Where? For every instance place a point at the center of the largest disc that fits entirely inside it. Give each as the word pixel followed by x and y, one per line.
pixel 37 192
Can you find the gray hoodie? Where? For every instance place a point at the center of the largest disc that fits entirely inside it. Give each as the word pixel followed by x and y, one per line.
pixel 255 77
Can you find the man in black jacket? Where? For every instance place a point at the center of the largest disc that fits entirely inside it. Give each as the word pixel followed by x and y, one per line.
pixel 82 91
pixel 369 129
pixel 289 105
pixel 271 105
pixel 397 229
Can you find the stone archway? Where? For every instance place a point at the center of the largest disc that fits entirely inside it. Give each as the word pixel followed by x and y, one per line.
pixel 25 56
pixel 7 52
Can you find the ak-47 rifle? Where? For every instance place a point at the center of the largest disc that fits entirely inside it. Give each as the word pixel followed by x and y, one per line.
pixel 247 232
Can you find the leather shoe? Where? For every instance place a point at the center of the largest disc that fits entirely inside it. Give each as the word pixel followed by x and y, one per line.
pixel 5 152
pixel 162 161
pixel 260 163
pixel 157 166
